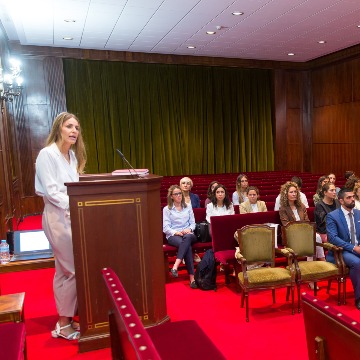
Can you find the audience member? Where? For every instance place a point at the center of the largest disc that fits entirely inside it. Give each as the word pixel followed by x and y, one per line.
pixel 332 179
pixel 298 182
pixel 191 199
pixel 220 204
pixel 292 209
pixel 343 229
pixel 240 195
pixel 178 226
pixel 321 182
pixel 351 182
pixel 357 196
pixel 253 204
pixel 323 207
pixel 61 161
pixel 349 174
pixel 210 190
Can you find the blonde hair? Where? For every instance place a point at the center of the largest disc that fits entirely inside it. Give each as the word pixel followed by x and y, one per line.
pixel 56 137
pixel 187 179
pixel 356 187
pixel 284 200
pixel 238 187
pixel 170 201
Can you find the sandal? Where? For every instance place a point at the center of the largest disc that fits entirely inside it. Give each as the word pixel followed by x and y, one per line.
pixel 57 332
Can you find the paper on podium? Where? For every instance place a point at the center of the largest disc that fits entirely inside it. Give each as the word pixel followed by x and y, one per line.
pixel 126 172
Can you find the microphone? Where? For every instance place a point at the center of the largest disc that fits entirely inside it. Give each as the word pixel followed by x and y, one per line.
pixel 129 166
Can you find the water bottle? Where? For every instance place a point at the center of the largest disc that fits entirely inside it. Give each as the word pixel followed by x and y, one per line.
pixel 4 252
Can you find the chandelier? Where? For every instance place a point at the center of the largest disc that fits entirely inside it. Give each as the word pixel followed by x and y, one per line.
pixel 11 82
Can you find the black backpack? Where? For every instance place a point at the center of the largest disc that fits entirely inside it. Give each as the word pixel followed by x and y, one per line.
pixel 205 275
pixel 202 231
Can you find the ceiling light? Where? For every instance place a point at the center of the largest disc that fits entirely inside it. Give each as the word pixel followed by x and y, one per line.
pixel 237 13
pixel 191 47
pixel 358 26
pixel 322 42
pixel 68 38
pixel 211 32
pixel 291 54
pixel 70 20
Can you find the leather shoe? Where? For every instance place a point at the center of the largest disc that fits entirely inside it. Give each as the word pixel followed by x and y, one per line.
pixel 357 303
pixel 174 273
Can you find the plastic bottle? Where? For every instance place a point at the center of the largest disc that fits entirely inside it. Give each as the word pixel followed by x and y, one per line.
pixel 4 252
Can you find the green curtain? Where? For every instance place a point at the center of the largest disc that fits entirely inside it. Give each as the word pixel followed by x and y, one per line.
pixel 172 119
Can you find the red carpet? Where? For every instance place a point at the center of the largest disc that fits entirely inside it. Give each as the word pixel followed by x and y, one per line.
pixel 272 333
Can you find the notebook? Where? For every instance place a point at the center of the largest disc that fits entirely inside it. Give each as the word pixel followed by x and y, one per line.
pixel 31 245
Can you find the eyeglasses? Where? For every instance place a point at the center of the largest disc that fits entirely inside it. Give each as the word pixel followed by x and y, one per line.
pixel 186 183
pixel 177 194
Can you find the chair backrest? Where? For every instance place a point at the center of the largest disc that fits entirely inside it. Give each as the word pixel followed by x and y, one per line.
pixel 224 227
pixel 129 339
pixel 329 333
pixel 301 237
pixel 257 243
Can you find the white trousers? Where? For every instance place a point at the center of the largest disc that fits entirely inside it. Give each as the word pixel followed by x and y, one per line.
pixel 57 227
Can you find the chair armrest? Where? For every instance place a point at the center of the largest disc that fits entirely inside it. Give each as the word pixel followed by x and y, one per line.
pixel 288 254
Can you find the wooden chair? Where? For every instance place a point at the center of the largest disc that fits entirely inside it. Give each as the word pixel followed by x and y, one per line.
pixel 257 244
pixel 169 341
pixel 330 335
pixel 299 237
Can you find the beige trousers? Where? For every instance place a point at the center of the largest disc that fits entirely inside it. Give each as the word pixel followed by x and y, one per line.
pixel 57 227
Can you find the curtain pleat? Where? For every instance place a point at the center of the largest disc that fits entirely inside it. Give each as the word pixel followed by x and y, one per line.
pixel 172 119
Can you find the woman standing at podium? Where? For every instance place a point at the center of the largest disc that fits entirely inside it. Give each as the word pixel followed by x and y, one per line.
pixel 60 161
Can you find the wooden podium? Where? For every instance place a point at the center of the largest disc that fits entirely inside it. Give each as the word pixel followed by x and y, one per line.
pixel 116 222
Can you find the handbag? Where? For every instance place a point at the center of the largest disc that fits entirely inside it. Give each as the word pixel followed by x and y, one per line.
pixel 202 231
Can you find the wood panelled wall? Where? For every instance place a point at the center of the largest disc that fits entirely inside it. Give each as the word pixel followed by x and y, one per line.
pixel 316 107
pixel 336 114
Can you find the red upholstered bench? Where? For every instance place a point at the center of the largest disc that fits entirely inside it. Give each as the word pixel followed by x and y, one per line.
pixel 223 229
pixel 329 333
pixel 173 340
pixel 13 340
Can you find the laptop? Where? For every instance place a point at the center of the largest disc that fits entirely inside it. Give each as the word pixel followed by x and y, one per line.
pixel 31 245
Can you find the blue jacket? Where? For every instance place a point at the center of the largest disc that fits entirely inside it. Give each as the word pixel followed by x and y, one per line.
pixel 195 200
pixel 338 231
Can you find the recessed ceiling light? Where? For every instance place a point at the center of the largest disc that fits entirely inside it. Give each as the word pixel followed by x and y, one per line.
pixel 322 42
pixel 291 54
pixel 191 47
pixel 68 38
pixel 211 32
pixel 358 26
pixel 237 13
pixel 70 20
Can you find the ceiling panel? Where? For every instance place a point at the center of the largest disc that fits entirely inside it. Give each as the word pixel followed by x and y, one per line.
pixel 268 29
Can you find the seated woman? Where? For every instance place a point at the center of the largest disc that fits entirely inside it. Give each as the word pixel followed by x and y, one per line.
pixel 292 209
pixel 332 180
pixel 210 190
pixel 253 204
pixel 191 199
pixel 220 204
pixel 323 207
pixel 321 182
pixel 357 196
pixel 240 195
pixel 351 182
pixel 178 226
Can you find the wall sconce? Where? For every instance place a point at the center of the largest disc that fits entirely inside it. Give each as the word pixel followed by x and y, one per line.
pixel 11 83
